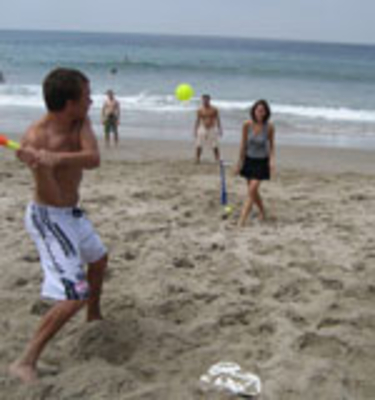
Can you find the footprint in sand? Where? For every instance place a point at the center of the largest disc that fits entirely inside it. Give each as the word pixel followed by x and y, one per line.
pixel 321 345
pixel 112 341
pixel 183 263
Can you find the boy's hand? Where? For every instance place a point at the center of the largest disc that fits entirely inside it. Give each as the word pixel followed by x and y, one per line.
pixel 37 158
pixel 29 156
pixel 47 159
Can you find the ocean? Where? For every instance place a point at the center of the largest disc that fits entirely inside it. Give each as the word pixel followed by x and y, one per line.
pixel 319 93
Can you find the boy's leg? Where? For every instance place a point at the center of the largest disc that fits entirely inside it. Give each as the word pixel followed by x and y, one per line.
pixel 107 133
pixel 51 230
pixel 25 367
pixel 213 138
pixel 115 133
pixel 106 137
pixel 198 154
pixel 95 277
pixel 199 139
pixel 217 153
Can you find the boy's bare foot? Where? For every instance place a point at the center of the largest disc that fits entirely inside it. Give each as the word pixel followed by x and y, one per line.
pixel 242 224
pixel 94 317
pixel 262 217
pixel 23 372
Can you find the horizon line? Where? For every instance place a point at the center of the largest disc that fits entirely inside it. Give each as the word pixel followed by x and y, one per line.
pixel 186 35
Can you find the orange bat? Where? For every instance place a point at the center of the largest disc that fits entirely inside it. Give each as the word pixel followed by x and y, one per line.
pixel 10 144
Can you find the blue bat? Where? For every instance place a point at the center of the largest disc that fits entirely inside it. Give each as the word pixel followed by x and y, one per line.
pixel 224 195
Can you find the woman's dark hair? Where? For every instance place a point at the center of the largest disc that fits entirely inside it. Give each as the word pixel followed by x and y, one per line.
pixel 267 108
pixel 62 85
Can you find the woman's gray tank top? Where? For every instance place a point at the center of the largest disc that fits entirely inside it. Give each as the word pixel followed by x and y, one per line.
pixel 257 144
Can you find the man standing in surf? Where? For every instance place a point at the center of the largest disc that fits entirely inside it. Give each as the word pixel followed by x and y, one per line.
pixel 207 128
pixel 57 149
pixel 111 118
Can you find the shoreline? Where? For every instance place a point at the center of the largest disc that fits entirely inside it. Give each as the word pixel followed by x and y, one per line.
pixel 180 130
pixel 294 149
pixel 306 158
pixel 313 157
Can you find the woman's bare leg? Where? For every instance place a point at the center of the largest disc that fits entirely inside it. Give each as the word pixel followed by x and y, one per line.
pixel 246 209
pixel 259 203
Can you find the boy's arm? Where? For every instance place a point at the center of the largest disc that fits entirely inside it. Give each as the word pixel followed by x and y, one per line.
pixel 118 112
pixel 28 152
pixel 197 122
pixel 86 158
pixel 103 112
pixel 219 123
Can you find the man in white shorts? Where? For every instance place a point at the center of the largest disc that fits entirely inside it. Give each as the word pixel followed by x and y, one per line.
pixel 207 128
pixel 57 149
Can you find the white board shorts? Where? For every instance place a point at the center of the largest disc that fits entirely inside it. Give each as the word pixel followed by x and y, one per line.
pixel 66 241
pixel 209 136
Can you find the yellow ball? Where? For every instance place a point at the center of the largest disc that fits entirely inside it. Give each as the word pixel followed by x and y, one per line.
pixel 184 92
pixel 228 209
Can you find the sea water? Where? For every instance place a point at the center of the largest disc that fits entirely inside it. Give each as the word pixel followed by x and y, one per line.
pixel 319 93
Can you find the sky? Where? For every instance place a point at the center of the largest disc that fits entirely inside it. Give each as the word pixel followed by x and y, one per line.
pixel 347 21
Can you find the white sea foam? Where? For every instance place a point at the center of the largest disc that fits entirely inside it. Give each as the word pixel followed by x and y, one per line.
pixel 327 113
pixel 30 96
pixel 21 96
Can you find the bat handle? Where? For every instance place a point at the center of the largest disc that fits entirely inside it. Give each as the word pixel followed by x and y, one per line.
pixel 12 145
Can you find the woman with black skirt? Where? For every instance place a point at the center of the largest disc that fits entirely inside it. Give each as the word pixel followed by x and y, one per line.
pixel 257 156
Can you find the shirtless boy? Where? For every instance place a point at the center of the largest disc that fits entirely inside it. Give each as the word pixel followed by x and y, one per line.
pixel 207 128
pixel 57 149
pixel 111 117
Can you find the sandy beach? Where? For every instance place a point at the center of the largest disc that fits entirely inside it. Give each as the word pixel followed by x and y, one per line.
pixel 290 299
